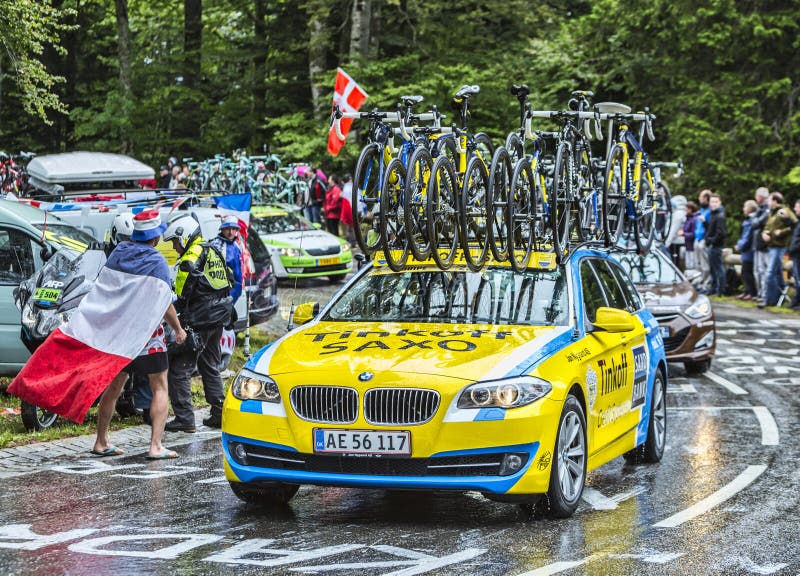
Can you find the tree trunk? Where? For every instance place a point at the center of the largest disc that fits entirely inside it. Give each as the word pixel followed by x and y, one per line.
pixel 125 86
pixel 317 54
pixel 192 41
pixel 361 19
pixel 260 70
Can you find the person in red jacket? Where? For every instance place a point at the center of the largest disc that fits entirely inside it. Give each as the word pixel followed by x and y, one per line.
pixel 333 205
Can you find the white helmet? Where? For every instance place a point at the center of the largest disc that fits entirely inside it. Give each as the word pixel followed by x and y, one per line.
pixel 121 228
pixel 183 227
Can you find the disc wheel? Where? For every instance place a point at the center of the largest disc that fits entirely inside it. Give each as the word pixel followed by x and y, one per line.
pixel 520 201
pixel 367 184
pixel 497 204
pixel 392 231
pixel 472 216
pixel 441 209
pixel 419 173
pixel 614 200
pixel 561 202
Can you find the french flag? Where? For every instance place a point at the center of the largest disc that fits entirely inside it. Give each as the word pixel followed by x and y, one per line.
pixel 111 325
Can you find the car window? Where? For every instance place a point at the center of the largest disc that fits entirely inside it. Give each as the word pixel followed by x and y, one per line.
pixel 493 296
pixel 593 297
pixel 651 268
pixel 614 295
pixel 628 289
pixel 16 256
pixel 280 222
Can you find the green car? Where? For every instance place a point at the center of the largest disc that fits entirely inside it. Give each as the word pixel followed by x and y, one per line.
pixel 300 249
pixel 25 237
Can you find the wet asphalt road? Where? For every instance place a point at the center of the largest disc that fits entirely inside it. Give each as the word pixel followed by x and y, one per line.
pixel 724 500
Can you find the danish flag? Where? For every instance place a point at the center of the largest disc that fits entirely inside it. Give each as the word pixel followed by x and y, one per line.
pixel 349 96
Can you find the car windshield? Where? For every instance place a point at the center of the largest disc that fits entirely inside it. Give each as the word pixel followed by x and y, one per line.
pixel 65 235
pixel 280 222
pixel 652 268
pixel 493 296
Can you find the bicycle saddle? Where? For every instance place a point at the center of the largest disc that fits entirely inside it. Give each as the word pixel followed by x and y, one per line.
pixel 612 108
pixel 467 91
pixel 520 91
pixel 585 93
pixel 411 100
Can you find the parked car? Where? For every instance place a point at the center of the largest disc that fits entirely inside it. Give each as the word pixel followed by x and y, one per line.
pixel 685 317
pixel 299 248
pixel 27 236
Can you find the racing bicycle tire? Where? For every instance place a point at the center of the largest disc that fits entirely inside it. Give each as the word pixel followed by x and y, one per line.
pixel 484 146
pixel 663 200
pixel 587 213
pixel 419 172
pixel 644 224
pixel 441 205
pixel 497 204
pixel 366 185
pixel 472 215
pixel 514 147
pixel 519 221
pixel 394 240
pixel 561 197
pixel 614 197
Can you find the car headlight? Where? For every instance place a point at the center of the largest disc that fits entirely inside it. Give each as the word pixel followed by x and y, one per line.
pixel 508 393
pixel 700 308
pixel 346 247
pixel 291 252
pixel 251 386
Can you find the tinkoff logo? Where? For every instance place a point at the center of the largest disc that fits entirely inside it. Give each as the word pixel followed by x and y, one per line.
pixel 614 376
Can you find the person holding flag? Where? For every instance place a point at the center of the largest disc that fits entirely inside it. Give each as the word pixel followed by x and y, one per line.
pixel 115 329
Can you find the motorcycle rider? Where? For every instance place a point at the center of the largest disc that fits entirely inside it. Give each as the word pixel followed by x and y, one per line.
pixel 202 284
pixel 120 231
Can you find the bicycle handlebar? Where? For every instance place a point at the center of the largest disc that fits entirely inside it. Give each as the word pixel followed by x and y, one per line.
pixel 555 114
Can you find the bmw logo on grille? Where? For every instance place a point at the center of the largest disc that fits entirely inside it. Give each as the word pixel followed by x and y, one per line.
pixel 365 376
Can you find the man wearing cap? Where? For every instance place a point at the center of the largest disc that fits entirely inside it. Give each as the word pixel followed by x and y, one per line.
pixel 136 257
pixel 225 242
pixel 164 177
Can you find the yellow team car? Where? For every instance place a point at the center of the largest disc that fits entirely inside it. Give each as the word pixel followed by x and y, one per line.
pixel 512 384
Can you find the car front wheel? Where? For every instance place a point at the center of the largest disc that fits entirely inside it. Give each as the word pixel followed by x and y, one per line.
pixel 568 473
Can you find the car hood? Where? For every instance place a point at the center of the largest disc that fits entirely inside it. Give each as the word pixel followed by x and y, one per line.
pixel 667 297
pixel 469 352
pixel 303 239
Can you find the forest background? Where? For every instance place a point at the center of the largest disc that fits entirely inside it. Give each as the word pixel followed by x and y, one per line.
pixel 190 78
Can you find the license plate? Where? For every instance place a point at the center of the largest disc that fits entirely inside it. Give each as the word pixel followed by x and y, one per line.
pixel 370 442
pixel 327 261
pixel 46 294
pixel 664 331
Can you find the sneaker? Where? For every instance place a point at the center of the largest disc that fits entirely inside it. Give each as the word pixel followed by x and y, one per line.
pixel 213 421
pixel 175 426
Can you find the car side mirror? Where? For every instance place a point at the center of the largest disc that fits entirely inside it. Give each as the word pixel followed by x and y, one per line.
pixel 305 312
pixel 613 320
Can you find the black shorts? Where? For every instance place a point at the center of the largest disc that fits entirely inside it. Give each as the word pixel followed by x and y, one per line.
pixel 148 364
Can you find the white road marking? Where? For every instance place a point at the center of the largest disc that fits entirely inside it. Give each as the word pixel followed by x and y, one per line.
pixel 651 557
pixel 728 491
pixel 769 429
pixel 597 500
pixel 754 568
pixel 681 389
pixel 725 383
pixel 630 494
pixel 557 567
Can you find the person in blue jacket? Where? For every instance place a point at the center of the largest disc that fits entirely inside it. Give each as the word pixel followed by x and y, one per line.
pixel 225 242
pixel 745 247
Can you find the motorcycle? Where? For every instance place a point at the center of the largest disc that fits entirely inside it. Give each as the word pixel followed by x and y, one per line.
pixel 47 300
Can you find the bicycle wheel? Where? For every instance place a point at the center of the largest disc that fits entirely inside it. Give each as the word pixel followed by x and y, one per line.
pixel 472 216
pixel 587 216
pixel 518 222
pixel 497 204
pixel 419 173
pixel 663 200
pixel 441 206
pixel 392 231
pixel 514 147
pixel 614 200
pixel 485 148
pixel 561 195
pixel 366 199
pixel 644 224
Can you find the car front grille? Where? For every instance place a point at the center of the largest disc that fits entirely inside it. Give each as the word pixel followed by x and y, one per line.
pixel 674 342
pixel 470 465
pixel 400 406
pixel 327 268
pixel 325 404
pixel 326 251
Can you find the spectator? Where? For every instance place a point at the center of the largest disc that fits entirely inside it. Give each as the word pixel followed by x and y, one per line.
pixel 745 247
pixel 346 218
pixel 760 248
pixel 173 181
pixel 701 251
pixel 333 205
pixel 715 242
pixel 777 234
pixel 674 241
pixel 794 254
pixel 687 232
pixel 317 188
pixel 164 177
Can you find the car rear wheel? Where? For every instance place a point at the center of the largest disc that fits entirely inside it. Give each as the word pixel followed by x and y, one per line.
pixel 568 472
pixel 264 494
pixel 653 448
pixel 698 366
